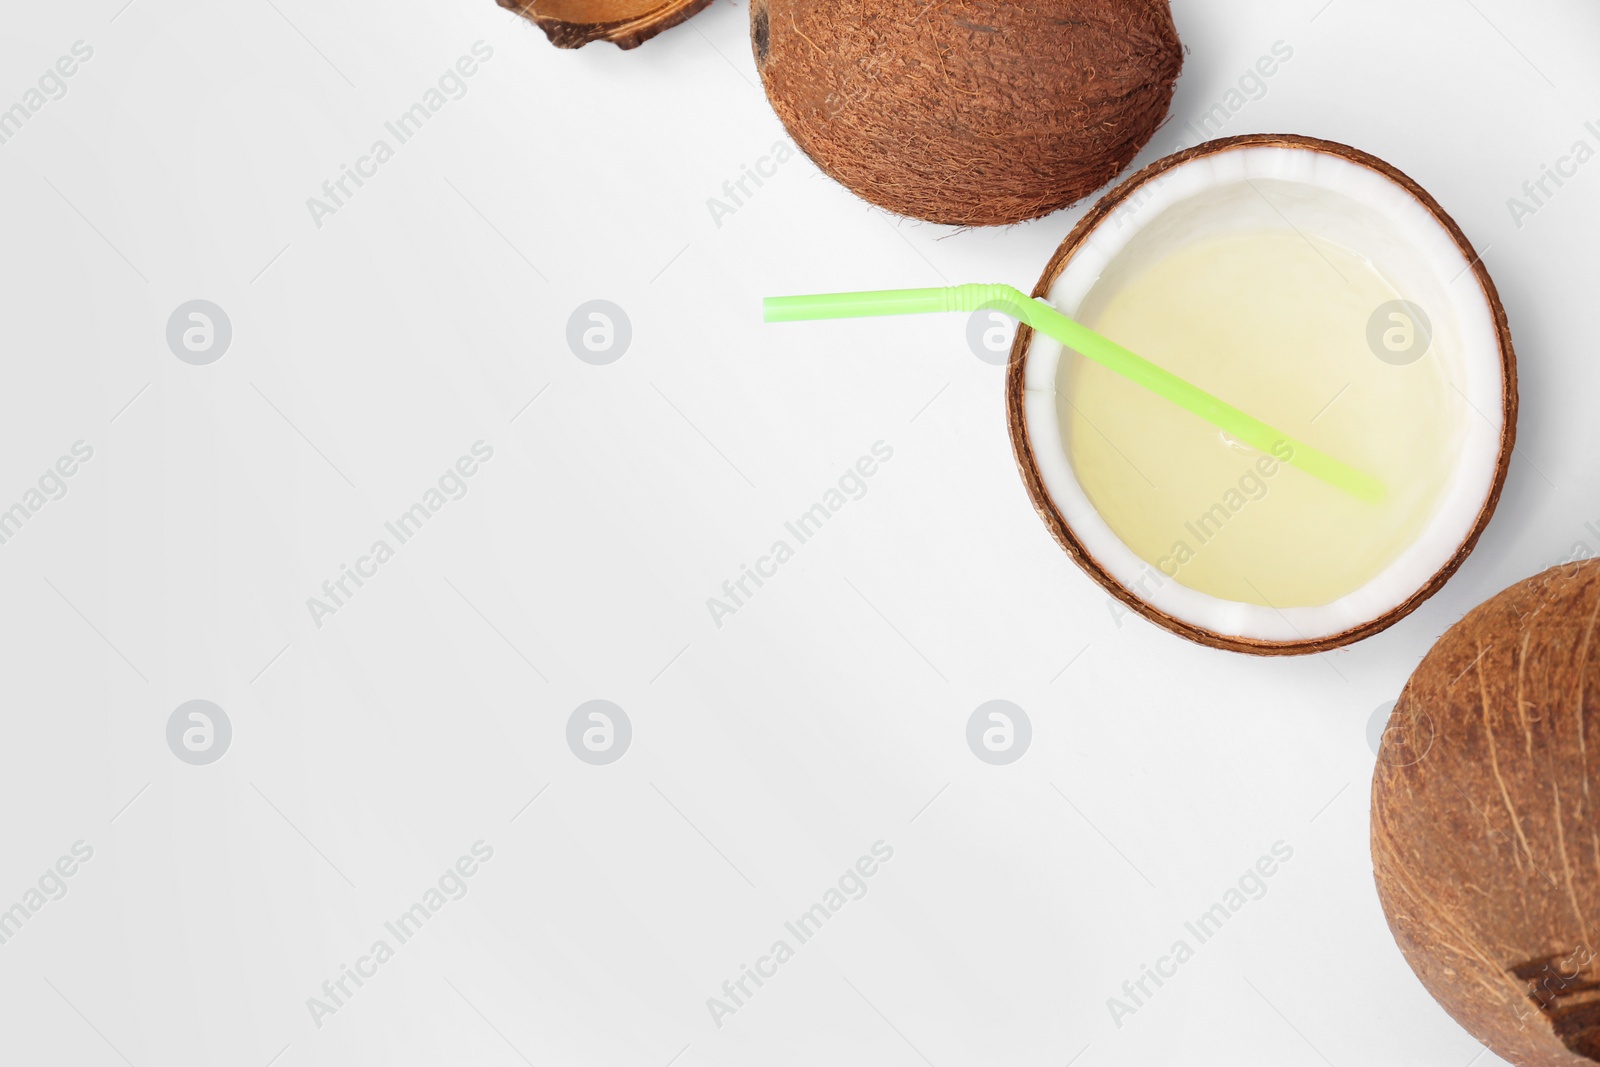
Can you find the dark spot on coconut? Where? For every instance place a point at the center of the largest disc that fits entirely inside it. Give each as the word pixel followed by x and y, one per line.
pixel 975 26
pixel 1568 994
pixel 759 31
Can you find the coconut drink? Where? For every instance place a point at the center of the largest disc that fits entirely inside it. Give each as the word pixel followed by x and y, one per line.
pixel 1323 290
pixel 1318 421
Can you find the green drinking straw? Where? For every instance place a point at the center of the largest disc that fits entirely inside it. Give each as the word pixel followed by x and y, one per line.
pixel 1047 320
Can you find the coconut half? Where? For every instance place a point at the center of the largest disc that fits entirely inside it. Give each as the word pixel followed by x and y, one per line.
pixel 1338 195
pixel 625 23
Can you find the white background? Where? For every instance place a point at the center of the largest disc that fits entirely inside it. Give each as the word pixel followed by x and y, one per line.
pixel 768 754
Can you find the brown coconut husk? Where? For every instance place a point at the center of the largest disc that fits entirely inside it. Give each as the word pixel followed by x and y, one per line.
pixel 1022 445
pixel 1486 820
pixel 968 112
pixel 625 23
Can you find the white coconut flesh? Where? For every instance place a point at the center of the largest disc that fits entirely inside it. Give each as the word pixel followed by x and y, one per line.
pixel 1317 194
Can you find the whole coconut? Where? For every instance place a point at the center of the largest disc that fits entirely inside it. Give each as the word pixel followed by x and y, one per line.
pixel 968 112
pixel 1486 820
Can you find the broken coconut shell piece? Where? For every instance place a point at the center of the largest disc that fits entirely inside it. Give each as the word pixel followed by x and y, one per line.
pixel 625 23
pixel 968 112
pixel 1486 820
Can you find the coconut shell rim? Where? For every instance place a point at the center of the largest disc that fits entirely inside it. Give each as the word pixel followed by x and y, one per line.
pixel 624 33
pixel 1055 521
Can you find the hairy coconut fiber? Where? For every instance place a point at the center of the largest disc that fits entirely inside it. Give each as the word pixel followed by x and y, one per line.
pixel 625 23
pixel 968 112
pixel 1486 820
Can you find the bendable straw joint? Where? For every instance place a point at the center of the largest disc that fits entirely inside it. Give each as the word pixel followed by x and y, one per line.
pixel 1047 320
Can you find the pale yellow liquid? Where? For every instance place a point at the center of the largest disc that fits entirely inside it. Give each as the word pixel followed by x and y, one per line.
pixel 1275 324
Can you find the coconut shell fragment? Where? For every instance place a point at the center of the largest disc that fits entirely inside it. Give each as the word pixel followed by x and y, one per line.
pixel 968 112
pixel 1486 820
pixel 625 23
